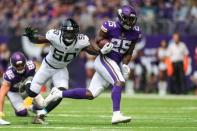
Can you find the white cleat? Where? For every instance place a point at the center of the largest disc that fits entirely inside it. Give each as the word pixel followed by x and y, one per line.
pixel 119 118
pixel 53 95
pixel 39 119
pixel 3 122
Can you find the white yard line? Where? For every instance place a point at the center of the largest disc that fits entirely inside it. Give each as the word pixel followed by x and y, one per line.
pixel 43 127
pixel 153 96
pixel 78 115
pixel 134 116
pixel 92 128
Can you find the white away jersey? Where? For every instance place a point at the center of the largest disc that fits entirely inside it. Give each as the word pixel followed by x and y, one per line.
pixel 60 55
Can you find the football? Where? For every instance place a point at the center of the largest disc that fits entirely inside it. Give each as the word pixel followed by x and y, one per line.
pixel 102 42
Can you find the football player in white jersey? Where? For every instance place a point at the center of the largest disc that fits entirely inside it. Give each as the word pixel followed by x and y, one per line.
pixel 65 45
pixel 123 34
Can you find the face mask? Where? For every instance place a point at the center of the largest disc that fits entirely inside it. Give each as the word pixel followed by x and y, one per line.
pixel 21 71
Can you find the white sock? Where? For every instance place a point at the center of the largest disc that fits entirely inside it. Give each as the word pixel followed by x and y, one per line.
pixel 41 112
pixel 116 112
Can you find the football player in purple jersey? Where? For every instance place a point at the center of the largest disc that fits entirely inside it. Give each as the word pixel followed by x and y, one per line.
pixel 16 79
pixel 110 67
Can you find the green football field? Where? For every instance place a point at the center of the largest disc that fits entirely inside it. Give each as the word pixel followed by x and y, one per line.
pixel 148 112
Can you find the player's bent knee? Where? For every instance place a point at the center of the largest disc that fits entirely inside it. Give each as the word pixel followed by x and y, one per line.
pixel 30 92
pixel 89 95
pixel 119 83
pixel 21 113
pixel 62 88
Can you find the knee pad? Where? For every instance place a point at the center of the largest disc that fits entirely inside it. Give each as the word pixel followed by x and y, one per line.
pixel 90 95
pixel 30 92
pixel 21 113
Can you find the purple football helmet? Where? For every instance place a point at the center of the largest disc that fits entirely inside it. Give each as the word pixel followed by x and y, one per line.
pixel 18 61
pixel 127 17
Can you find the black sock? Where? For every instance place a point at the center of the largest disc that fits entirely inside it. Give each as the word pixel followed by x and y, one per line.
pixel 52 105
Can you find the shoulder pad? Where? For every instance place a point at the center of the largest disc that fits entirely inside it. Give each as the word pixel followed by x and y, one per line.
pixel 107 25
pixel 83 39
pixel 31 66
pixel 8 75
pixel 138 31
pixel 52 34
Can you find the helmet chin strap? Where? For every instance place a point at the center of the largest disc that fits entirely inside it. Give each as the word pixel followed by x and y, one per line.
pixel 127 27
pixel 69 41
pixel 21 71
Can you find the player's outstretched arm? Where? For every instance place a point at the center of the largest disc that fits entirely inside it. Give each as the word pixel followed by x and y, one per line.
pixel 5 87
pixel 31 33
pixel 92 49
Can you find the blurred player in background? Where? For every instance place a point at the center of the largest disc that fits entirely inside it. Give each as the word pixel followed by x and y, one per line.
pixel 162 56
pixel 65 45
pixel 123 34
pixel 16 79
pixel 4 58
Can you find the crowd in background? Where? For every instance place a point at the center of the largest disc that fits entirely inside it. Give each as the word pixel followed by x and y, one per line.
pixel 154 17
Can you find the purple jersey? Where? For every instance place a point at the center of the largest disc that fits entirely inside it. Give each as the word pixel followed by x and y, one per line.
pixel 121 39
pixel 15 79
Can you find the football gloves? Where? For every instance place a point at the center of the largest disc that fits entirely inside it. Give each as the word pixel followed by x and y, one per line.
pixel 30 32
pixel 107 48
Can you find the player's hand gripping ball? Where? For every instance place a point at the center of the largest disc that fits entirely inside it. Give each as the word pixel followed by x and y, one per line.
pixel 105 45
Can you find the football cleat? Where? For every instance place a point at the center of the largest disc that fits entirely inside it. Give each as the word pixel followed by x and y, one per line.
pixel 119 118
pixel 3 122
pixel 39 119
pixel 53 95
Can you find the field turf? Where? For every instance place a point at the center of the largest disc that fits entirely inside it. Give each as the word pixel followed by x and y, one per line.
pixel 148 112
